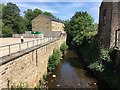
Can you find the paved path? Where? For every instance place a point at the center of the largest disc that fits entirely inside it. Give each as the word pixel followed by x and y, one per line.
pixel 7 41
pixel 17 47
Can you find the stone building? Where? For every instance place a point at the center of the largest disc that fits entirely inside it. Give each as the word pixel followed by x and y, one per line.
pixel 109 24
pixel 46 24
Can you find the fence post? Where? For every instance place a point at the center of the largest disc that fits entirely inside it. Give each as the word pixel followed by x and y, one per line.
pixel 19 47
pixel 9 49
pixel 27 45
pixel 37 41
pixel 42 41
pixel 33 42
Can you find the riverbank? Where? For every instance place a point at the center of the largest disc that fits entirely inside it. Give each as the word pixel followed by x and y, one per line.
pixel 102 83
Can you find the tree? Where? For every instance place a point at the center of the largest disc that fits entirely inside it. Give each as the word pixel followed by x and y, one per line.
pixel 6 31
pixel 1 19
pixel 36 12
pixel 23 24
pixel 49 14
pixel 81 28
pixel 1 5
pixel 11 17
pixel 30 15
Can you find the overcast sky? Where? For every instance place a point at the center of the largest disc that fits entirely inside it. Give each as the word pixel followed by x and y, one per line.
pixel 63 10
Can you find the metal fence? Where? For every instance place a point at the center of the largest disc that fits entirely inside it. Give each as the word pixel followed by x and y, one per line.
pixel 12 48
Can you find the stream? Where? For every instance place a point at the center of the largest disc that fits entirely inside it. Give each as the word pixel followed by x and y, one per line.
pixel 70 73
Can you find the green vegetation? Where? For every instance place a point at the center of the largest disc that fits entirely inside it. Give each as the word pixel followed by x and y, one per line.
pixel 63 47
pixel 54 59
pixel 99 65
pixel 11 21
pixel 22 86
pixel 49 14
pixel 82 35
pixel 81 29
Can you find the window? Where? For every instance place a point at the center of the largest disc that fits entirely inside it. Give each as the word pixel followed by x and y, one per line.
pixel 104 17
pixel 101 41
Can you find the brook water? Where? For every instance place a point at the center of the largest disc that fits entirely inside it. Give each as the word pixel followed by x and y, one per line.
pixel 70 73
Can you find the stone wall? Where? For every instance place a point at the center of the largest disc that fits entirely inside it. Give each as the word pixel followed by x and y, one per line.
pixel 118 62
pixel 118 41
pixel 45 23
pixel 114 25
pixel 41 23
pixel 108 24
pixel 27 66
pixel 57 26
pixel 105 23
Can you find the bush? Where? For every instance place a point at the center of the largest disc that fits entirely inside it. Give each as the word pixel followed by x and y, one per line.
pixel 100 63
pixel 104 54
pixel 63 47
pixel 97 66
pixel 54 59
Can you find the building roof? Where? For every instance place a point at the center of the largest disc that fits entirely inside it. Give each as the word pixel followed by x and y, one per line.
pixel 53 19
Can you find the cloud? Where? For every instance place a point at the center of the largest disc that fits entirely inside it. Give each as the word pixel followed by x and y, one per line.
pixel 62 10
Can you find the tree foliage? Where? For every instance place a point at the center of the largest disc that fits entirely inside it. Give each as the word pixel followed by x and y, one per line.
pixel 22 25
pixel 6 31
pixel 80 28
pixel 31 14
pixel 1 6
pixel 11 16
pixel 12 22
pixel 49 14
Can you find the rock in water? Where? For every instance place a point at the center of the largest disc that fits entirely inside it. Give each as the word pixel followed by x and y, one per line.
pixel 58 85
pixel 54 76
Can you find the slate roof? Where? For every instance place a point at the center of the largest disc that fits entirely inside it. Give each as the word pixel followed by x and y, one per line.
pixel 53 19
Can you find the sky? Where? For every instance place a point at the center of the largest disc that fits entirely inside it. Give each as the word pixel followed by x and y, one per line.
pixel 63 10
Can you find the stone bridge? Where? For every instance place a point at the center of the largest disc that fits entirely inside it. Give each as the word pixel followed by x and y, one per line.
pixel 27 66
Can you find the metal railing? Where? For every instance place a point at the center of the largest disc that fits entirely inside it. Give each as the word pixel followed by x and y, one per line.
pixel 12 48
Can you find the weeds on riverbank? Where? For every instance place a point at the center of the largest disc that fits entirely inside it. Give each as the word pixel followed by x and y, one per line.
pixel 21 86
pixel 54 59
pixel 63 47
pixel 102 62
pixel 99 64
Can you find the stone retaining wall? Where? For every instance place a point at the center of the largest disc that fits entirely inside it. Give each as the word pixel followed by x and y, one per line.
pixel 27 66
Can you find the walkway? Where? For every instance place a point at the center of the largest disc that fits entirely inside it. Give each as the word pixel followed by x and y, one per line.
pixel 12 45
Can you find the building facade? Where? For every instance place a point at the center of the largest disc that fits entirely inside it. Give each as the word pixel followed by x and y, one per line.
pixel 109 24
pixel 44 23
